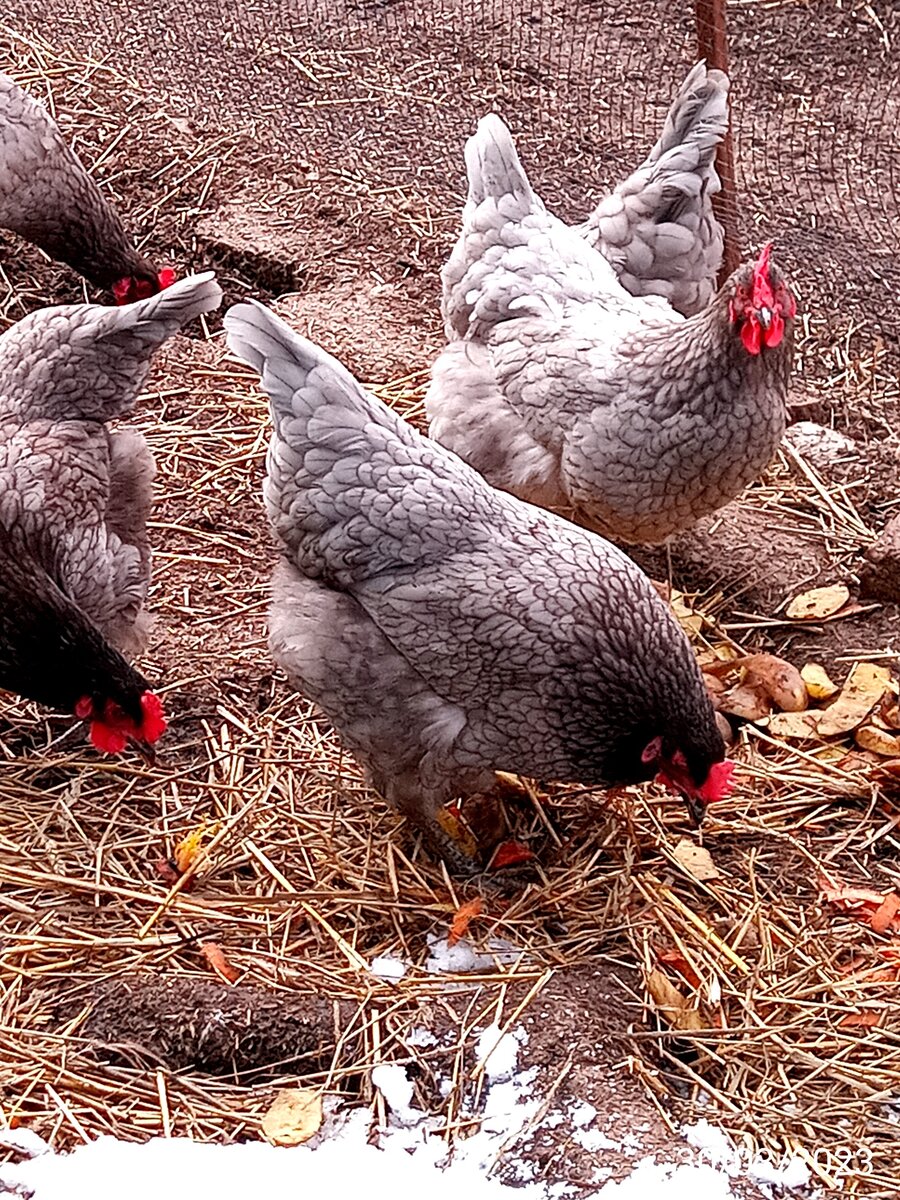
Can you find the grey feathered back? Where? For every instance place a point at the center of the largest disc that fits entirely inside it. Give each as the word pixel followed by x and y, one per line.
pixel 657 228
pixel 440 622
pixel 65 372
pixel 48 198
pixel 90 361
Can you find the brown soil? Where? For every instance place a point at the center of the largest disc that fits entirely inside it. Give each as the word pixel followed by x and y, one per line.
pixel 320 152
pixel 186 1024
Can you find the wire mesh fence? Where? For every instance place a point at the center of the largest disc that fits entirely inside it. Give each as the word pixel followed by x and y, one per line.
pixel 386 91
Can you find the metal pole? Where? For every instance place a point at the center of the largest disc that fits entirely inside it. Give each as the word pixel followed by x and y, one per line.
pixel 712 43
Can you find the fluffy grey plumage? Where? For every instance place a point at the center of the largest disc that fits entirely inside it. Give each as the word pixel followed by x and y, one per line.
pixel 657 228
pixel 48 198
pixel 74 495
pixel 562 388
pixel 445 628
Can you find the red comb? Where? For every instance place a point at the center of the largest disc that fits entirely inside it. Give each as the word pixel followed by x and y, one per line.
pixel 763 295
pixel 165 278
pixel 154 724
pixel 719 784
pixel 111 733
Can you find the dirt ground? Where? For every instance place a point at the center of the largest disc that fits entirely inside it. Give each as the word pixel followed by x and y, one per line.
pixel 317 152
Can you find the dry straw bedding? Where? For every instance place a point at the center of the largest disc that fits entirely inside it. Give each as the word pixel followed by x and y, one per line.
pixel 306 876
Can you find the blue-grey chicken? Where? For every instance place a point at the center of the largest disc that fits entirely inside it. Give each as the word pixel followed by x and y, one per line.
pixel 447 629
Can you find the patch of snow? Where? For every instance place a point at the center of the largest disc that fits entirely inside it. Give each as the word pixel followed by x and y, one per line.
pixel 791 1174
pixel 23 1140
pixel 387 967
pixel 463 959
pixel 682 1182
pixel 714 1145
pixel 421 1037
pixel 593 1140
pixel 819 444
pixel 581 1113
pixel 499 1052
pixel 398 1090
pixel 108 1170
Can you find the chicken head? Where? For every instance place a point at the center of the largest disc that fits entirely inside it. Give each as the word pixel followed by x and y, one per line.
pixel 761 305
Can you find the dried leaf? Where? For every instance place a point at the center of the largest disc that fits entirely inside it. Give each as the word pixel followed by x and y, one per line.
pixel 462 919
pixel 796 725
pixel 674 958
pixel 818 603
pixel 450 820
pixel 190 848
pixel 890 713
pixel 690 621
pixel 863 1020
pixel 670 1003
pixel 879 741
pixel 818 683
pixel 294 1117
pixel 879 910
pixel 509 854
pixel 884 914
pixel 779 679
pixel 749 703
pixel 215 956
pixel 696 860
pixel 864 688
pixel 846 896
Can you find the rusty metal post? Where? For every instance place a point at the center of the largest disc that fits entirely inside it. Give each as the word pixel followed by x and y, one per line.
pixel 712 44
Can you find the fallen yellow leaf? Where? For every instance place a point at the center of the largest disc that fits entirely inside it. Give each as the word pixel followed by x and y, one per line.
pixel 794 725
pixel 190 848
pixel 818 683
pixel 691 622
pixel 696 860
pixel 670 1004
pixel 294 1116
pixel 819 602
pixel 865 686
pixel 879 741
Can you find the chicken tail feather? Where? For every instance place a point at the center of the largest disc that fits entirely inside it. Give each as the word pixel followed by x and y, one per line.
pixel 658 228
pixel 493 165
pixel 88 362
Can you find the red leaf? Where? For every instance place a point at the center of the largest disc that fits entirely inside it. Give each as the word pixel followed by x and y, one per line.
pixel 674 958
pixel 215 956
pixel 865 1019
pixel 463 918
pixel 883 916
pixel 509 854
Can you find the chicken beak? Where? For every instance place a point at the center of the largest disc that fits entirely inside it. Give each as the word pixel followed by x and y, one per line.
pixel 146 752
pixel 696 808
pixel 764 316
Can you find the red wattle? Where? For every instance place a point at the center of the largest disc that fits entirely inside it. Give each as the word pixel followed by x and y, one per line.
pixel 751 335
pixel 107 739
pixel 775 332
pixel 719 784
pixel 154 724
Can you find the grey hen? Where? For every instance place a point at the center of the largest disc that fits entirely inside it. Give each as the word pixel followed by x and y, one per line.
pixel 449 630
pixel 559 386
pixel 48 198
pixel 74 502
pixel 657 228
